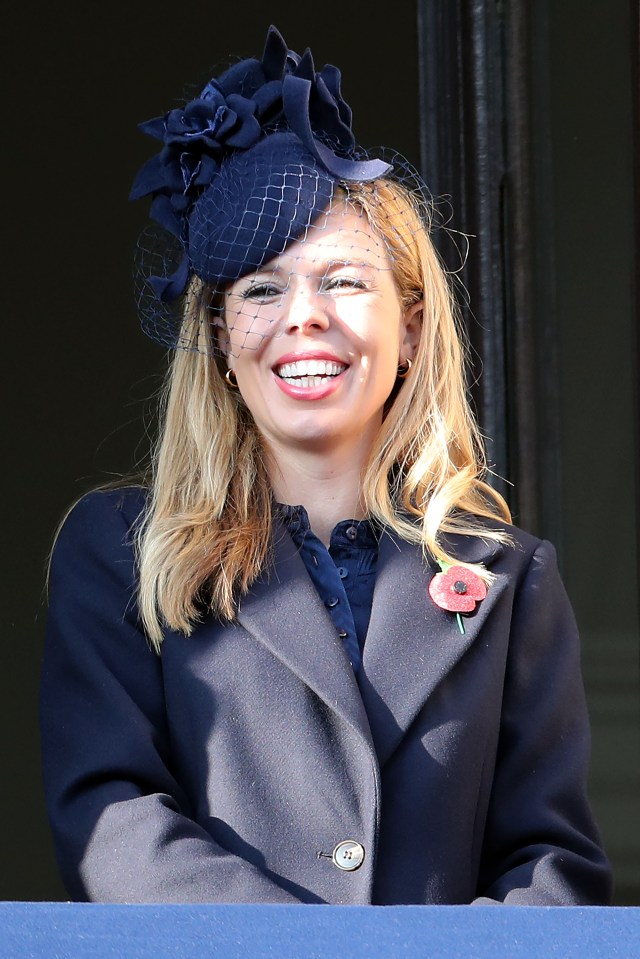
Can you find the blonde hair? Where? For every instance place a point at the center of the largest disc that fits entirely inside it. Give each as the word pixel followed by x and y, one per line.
pixel 206 533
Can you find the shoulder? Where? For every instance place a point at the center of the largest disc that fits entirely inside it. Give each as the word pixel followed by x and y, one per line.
pixel 98 530
pixel 93 624
pixel 522 550
pixel 99 511
pixel 498 545
pixel 525 565
pixel 528 566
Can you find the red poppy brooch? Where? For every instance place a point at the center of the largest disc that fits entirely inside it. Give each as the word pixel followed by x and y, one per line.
pixel 457 589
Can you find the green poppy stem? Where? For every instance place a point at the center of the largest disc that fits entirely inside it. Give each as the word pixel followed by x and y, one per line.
pixel 460 624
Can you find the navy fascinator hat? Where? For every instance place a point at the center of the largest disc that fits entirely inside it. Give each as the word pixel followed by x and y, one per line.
pixel 243 171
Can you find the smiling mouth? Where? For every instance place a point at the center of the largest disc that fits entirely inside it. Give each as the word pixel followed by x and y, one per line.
pixel 309 373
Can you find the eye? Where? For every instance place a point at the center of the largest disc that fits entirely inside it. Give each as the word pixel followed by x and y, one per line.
pixel 344 283
pixel 261 292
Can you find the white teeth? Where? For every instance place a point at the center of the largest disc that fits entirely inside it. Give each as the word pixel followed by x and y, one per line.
pixel 310 368
pixel 306 381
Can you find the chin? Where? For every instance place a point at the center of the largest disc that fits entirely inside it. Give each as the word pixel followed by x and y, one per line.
pixel 319 438
pixel 341 431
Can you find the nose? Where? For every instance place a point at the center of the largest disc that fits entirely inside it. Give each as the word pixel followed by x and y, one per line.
pixel 307 310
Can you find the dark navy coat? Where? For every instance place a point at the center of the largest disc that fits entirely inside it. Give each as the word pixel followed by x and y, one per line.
pixel 229 768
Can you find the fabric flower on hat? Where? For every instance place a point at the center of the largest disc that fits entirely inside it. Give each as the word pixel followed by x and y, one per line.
pixel 226 144
pixel 194 139
pixel 457 590
pixel 232 113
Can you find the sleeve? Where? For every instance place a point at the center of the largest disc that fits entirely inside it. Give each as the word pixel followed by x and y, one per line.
pixel 119 817
pixel 541 845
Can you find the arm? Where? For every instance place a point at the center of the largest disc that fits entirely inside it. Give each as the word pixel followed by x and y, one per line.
pixel 541 846
pixel 120 819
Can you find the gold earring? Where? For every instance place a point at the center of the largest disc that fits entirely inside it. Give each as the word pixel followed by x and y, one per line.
pixel 403 371
pixel 231 379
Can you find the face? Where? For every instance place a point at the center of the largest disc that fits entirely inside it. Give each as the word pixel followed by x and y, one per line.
pixel 316 336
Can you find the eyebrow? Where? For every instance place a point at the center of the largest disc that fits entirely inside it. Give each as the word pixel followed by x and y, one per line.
pixel 347 261
pixel 316 265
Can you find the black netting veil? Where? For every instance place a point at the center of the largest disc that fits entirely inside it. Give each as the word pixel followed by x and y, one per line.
pixel 262 232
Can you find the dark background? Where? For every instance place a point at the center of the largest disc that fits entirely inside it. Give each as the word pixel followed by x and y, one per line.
pixel 80 377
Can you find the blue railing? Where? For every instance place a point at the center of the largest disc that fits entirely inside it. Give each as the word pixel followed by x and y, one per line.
pixel 83 931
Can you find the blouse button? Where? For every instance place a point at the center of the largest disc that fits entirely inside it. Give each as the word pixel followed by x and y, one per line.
pixel 332 602
pixel 343 572
pixel 351 533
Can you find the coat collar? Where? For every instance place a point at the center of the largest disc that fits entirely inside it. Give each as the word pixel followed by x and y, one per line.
pixel 284 612
pixel 412 644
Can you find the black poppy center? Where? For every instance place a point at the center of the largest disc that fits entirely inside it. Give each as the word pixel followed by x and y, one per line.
pixel 459 586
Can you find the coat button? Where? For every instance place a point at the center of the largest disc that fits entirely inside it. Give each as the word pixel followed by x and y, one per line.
pixel 348 855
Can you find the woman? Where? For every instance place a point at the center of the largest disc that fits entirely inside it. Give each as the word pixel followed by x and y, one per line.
pixel 313 661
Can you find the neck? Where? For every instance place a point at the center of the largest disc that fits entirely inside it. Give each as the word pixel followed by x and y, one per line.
pixel 326 483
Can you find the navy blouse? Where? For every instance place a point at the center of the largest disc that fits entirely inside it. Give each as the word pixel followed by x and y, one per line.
pixel 344 575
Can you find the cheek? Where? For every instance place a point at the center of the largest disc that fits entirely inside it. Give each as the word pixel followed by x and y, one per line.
pixel 247 329
pixel 247 374
pixel 385 342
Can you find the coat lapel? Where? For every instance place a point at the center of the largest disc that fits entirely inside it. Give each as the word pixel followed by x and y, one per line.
pixel 412 644
pixel 284 612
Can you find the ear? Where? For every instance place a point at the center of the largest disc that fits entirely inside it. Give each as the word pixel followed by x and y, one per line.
pixel 220 333
pixel 410 330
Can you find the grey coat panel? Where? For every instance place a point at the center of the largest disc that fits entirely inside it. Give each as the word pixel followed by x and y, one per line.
pixel 230 767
